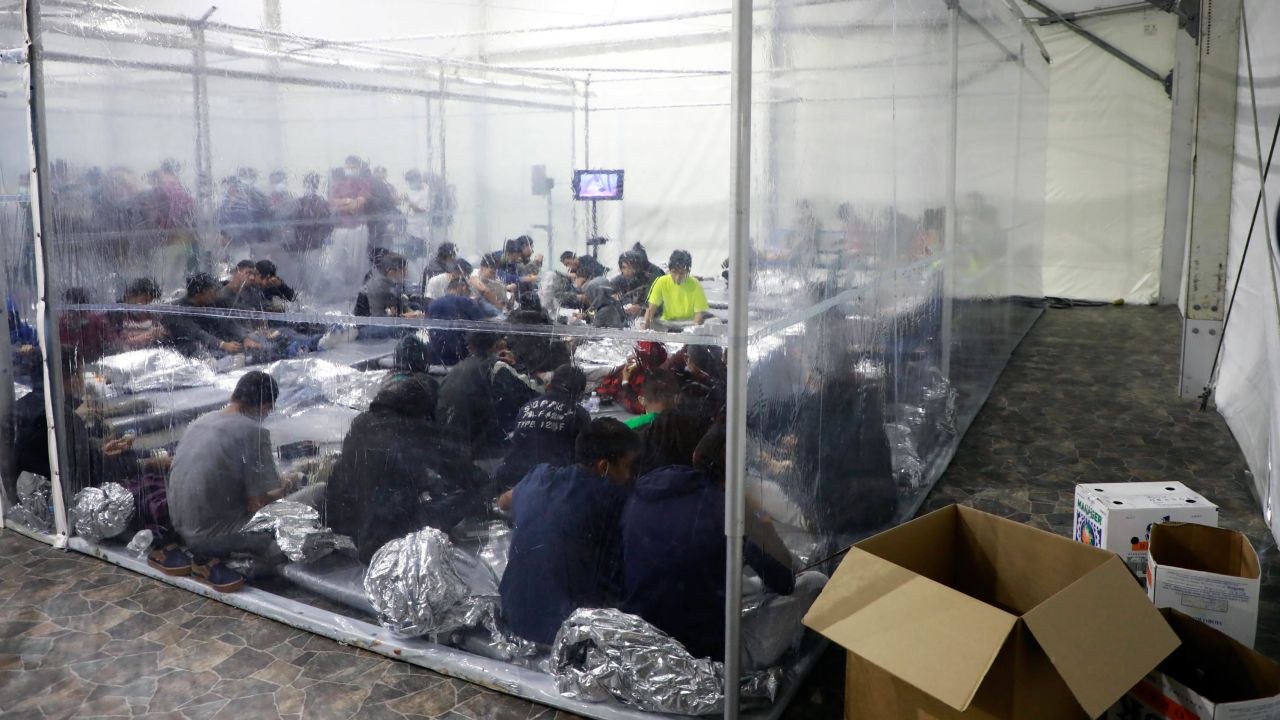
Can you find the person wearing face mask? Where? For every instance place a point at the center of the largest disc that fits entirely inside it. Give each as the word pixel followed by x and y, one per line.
pixel 566 546
pixel 224 471
pixel 678 294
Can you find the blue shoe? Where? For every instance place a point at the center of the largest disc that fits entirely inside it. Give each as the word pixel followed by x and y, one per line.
pixel 170 560
pixel 217 576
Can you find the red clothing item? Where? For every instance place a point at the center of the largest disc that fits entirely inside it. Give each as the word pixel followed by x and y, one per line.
pixel 649 356
pixel 88 334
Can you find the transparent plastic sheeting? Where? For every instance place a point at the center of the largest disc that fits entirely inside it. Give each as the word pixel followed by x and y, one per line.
pixel 893 267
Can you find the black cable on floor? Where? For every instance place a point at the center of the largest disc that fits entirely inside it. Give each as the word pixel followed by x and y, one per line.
pixel 1217 355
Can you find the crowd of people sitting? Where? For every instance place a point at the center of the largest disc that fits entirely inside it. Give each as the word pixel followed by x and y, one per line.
pixel 469 424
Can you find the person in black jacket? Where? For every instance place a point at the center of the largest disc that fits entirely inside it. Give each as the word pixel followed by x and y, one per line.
pixel 546 427
pixel 195 334
pixel 466 404
pixel 673 559
pixel 400 472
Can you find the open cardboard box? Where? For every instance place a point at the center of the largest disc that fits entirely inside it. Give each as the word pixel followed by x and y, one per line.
pixel 1210 677
pixel 1209 573
pixel 962 614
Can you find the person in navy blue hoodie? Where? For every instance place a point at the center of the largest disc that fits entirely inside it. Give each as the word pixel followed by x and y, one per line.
pixel 674 555
pixel 565 547
pixel 546 427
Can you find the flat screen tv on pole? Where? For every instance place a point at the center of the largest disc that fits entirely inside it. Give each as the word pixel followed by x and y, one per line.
pixel 597 184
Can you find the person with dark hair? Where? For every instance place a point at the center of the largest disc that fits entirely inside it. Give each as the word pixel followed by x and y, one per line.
pixel 241 291
pixel 604 310
pixel 193 333
pixel 383 295
pixel 677 294
pixel 565 550
pixel 626 384
pixel 88 334
pixel 583 267
pixel 446 256
pixel 673 559
pixel 546 427
pixel 487 289
pixel 400 472
pixel 466 404
pixel 94 459
pixel 224 471
pixel 704 377
pixel 139 329
pixel 450 345
pixel 536 353
pixel 272 285
pixel 635 276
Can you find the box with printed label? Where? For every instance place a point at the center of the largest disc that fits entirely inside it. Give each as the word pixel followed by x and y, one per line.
pixel 1208 573
pixel 964 615
pixel 1209 677
pixel 1118 516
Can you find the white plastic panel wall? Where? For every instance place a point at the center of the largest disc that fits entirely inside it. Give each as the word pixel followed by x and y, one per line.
pixel 879 326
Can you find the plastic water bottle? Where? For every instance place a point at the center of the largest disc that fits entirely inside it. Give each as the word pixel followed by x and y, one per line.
pixel 593 403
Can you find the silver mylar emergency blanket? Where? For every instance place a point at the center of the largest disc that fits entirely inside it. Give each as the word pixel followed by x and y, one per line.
pixel 607 351
pixel 34 507
pixel 298 530
pixel 102 512
pixel 306 382
pixel 421 584
pixel 154 369
pixel 605 654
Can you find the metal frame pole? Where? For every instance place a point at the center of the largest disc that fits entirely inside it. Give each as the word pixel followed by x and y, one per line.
pixel 953 141
pixel 204 148
pixel 739 282
pixel 46 312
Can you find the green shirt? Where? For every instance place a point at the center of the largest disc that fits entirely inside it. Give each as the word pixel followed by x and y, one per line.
pixel 639 421
pixel 679 302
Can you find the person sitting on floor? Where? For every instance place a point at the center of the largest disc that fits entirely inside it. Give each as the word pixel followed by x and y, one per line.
pixel 673 559
pixel 673 433
pixel 450 345
pixel 487 289
pixel 703 377
pixel 635 276
pixel 677 294
pixel 194 334
pixel 511 388
pixel 139 329
pixel 546 427
pixel 565 550
pixel 444 261
pixel 241 291
pixel 604 310
pixel 584 267
pixel 466 404
pixel 272 285
pixel 400 472
pixel 224 471
pixel 383 294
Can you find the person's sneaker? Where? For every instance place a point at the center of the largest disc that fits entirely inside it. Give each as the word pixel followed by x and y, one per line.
pixel 217 575
pixel 170 560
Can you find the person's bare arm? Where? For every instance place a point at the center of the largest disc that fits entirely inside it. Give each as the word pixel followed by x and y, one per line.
pixel 648 316
pixel 504 502
pixel 700 317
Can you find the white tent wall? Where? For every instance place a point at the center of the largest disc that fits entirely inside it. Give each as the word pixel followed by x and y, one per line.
pixel 1108 159
pixel 1249 376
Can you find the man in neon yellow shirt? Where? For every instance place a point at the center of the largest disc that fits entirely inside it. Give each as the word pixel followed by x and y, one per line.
pixel 678 293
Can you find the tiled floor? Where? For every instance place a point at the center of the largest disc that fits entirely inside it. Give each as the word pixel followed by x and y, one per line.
pixel 1089 397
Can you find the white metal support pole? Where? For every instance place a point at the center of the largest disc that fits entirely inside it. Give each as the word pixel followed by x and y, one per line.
pixel 952 148
pixel 46 313
pixel 204 147
pixel 1182 141
pixel 1214 159
pixel 739 282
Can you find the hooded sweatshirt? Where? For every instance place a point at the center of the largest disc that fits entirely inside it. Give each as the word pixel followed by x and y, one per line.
pixel 400 472
pixel 673 557
pixel 606 311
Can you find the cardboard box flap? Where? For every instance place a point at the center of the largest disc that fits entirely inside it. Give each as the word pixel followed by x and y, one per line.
pixel 1102 635
pixel 934 638
pixel 1217 667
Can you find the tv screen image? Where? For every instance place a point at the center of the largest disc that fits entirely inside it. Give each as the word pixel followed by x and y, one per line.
pixel 597 184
